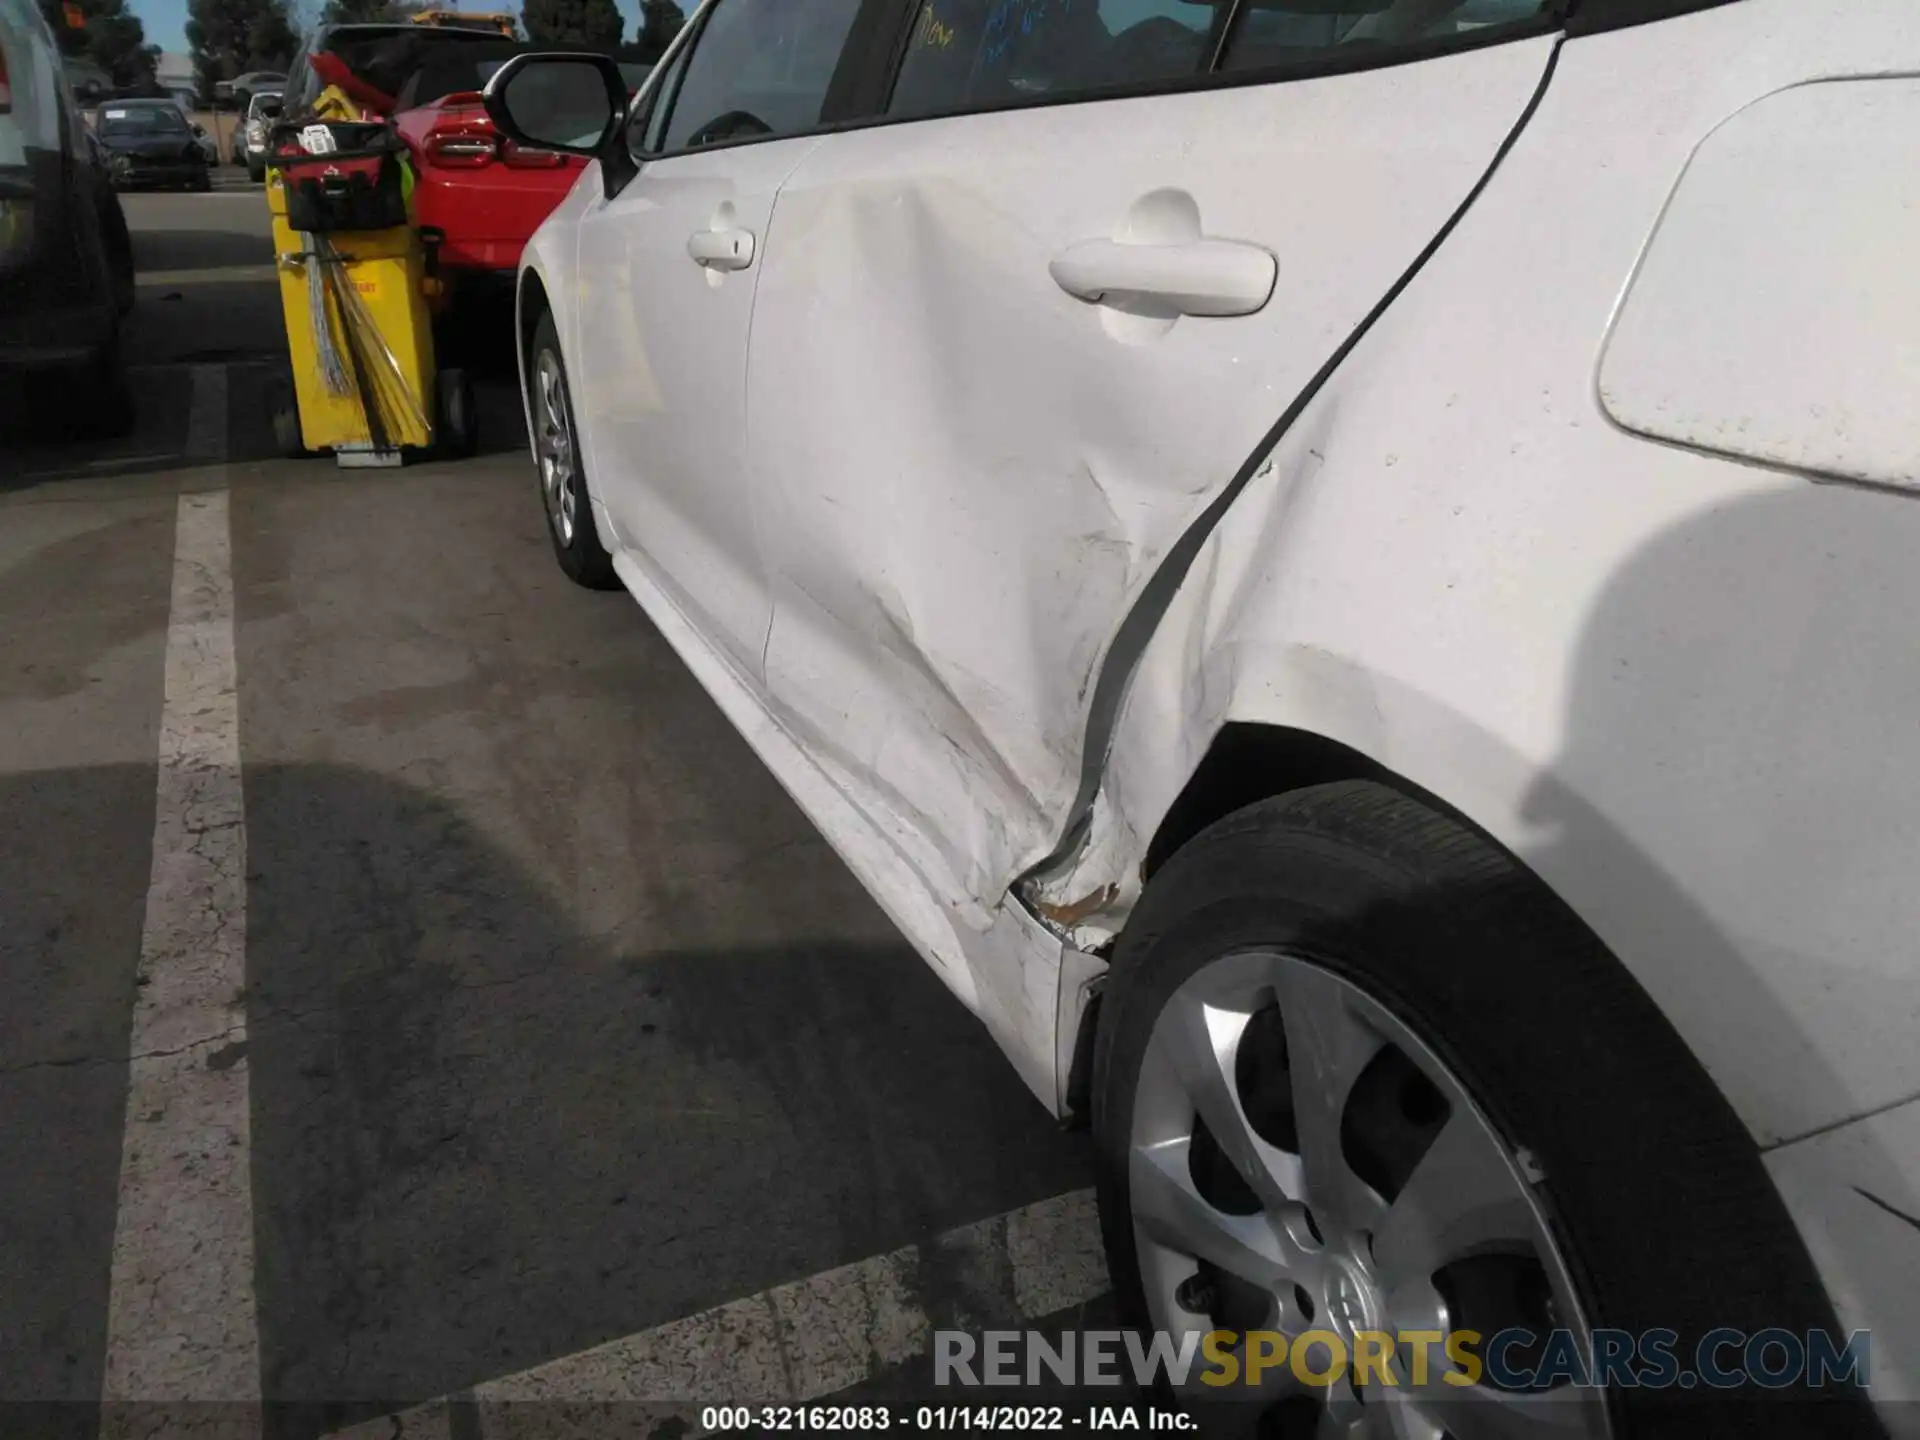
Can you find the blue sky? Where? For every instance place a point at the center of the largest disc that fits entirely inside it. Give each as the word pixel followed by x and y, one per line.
pixel 166 20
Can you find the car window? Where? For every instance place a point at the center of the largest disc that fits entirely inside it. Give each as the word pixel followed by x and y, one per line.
pixel 300 87
pixel 448 69
pixel 757 68
pixel 142 120
pixel 964 54
pixel 647 137
pixel 1279 33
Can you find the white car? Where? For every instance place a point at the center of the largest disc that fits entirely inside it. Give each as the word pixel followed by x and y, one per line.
pixel 1347 573
pixel 263 108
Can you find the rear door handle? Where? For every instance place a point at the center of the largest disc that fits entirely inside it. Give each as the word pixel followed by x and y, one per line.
pixel 1194 277
pixel 722 249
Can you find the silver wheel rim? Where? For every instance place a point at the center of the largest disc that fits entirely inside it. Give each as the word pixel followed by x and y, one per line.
pixel 554 446
pixel 1272 1069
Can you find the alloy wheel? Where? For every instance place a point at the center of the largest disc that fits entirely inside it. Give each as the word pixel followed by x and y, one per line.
pixel 555 447
pixel 1300 1161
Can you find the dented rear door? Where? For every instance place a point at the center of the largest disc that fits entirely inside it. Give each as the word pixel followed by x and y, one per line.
pixel 1001 361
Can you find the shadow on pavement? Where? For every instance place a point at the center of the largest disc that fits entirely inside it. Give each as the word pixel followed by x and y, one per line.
pixel 163 250
pixel 483 1139
pixel 73 881
pixel 163 401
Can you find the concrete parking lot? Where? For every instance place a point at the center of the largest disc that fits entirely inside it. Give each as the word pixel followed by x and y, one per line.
pixel 407 979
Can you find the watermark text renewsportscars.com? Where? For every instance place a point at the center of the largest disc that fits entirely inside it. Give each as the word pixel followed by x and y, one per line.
pixel 1513 1359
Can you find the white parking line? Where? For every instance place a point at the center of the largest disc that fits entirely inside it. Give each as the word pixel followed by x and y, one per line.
pixel 794 1343
pixel 181 1325
pixel 207 425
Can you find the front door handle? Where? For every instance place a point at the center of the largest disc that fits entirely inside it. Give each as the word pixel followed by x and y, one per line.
pixel 722 249
pixel 1193 277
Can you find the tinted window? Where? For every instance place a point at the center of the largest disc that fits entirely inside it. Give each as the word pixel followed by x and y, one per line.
pixel 646 138
pixel 300 82
pixel 450 69
pixel 147 120
pixel 1273 33
pixel 963 54
pixel 758 68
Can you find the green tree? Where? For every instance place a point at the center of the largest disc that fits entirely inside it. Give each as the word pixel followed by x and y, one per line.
pixel 660 21
pixel 231 37
pixel 588 24
pixel 110 37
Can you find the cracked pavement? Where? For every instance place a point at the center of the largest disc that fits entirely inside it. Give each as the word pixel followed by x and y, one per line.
pixel 560 1021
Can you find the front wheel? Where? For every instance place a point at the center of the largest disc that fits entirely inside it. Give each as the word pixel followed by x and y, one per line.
pixel 563 484
pixel 202 180
pixel 1361 1080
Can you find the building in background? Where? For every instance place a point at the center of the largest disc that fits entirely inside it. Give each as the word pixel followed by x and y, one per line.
pixel 174 72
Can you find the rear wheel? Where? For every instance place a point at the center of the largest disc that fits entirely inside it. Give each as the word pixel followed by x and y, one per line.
pixel 1358 1073
pixel 456 427
pixel 118 245
pixel 284 408
pixel 563 484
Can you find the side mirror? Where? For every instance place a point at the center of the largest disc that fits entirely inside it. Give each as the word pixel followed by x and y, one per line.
pixel 270 109
pixel 572 103
pixel 201 131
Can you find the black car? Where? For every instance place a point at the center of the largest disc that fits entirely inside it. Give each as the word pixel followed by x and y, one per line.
pixel 66 263
pixel 151 143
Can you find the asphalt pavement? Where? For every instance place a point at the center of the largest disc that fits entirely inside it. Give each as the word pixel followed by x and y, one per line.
pixel 547 1021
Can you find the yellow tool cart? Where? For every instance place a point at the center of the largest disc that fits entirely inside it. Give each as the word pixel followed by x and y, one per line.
pixel 353 288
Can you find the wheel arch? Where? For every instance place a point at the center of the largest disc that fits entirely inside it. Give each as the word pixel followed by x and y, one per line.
pixel 1545 820
pixel 530 302
pixel 1246 762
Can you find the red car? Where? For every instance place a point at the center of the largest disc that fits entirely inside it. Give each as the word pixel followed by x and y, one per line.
pixel 481 194
pixel 477 195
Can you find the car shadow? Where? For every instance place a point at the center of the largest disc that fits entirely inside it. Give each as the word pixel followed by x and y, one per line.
pixel 194 250
pixel 158 443
pixel 480 1137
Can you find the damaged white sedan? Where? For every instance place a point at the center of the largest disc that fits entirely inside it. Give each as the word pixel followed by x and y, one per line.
pixel 1344 570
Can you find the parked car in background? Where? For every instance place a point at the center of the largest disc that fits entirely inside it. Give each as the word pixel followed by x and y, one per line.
pixel 262 110
pixel 476 196
pixel 66 264
pixel 1345 572
pixel 151 144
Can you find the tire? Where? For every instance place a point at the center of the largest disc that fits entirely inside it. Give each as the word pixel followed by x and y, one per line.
pixel 563 486
pixel 284 408
pixel 456 432
pixel 202 180
pixel 93 402
pixel 118 246
pixel 257 173
pixel 1550 1066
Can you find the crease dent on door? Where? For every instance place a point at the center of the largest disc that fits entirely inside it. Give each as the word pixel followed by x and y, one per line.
pixel 978 491
pixel 890 619
pixel 1086 885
